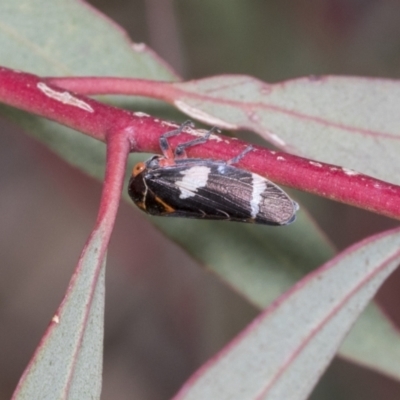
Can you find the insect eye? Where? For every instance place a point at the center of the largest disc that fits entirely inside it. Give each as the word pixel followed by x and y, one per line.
pixel 138 168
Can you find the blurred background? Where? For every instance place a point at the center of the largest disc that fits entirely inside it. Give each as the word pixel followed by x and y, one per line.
pixel 165 315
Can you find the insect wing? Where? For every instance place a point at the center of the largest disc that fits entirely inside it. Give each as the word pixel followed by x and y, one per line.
pixel 270 204
pixel 215 190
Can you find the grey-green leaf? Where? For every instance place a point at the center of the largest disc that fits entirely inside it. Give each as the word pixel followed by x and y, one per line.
pixel 68 362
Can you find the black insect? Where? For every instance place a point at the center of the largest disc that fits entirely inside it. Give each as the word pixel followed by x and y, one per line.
pixel 175 186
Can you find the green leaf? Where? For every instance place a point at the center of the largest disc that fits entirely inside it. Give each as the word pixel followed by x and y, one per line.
pixel 261 263
pixel 68 362
pixel 70 38
pixel 282 354
pixel 258 261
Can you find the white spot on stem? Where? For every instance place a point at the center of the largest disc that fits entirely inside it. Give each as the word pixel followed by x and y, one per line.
pixel 203 132
pixel 141 114
pixel 350 172
pixel 169 124
pixel 64 97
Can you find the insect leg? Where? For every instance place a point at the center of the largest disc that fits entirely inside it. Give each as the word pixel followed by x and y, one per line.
pixel 164 144
pixel 180 149
pixel 236 159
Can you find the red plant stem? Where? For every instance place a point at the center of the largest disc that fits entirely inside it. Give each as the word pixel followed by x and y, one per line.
pixel 97 85
pixel 117 154
pixel 143 132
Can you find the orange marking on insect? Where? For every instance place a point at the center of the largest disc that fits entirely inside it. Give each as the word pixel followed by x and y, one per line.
pixel 138 168
pixel 166 206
